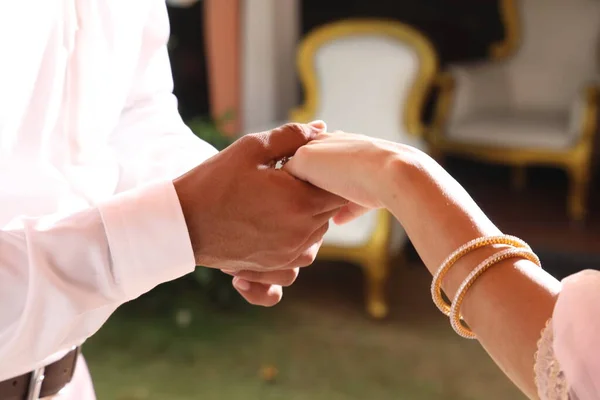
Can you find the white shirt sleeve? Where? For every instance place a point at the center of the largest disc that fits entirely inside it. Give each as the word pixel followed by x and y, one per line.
pixel 151 140
pixel 64 276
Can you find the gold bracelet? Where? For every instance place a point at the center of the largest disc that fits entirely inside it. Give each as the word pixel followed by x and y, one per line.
pixel 455 317
pixel 436 284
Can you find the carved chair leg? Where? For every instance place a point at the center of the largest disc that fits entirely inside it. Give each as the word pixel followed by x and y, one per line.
pixel 519 177
pixel 377 271
pixel 578 192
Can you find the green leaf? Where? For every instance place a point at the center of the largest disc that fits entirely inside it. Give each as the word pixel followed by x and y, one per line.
pixel 209 131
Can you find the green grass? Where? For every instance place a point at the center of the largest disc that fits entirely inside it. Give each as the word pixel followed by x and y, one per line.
pixel 322 350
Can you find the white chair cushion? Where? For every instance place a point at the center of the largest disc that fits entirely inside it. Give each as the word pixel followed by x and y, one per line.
pixel 364 83
pixel 539 84
pixel 558 53
pixel 358 232
pixel 353 234
pixel 514 130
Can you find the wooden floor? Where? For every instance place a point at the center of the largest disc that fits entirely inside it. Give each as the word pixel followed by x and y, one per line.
pixel 538 212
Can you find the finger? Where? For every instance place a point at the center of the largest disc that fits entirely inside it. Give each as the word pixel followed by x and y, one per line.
pixel 307 257
pixel 323 145
pixel 258 294
pixel 309 163
pixel 295 165
pixel 284 277
pixel 309 250
pixel 328 215
pixel 304 197
pixel 349 213
pixel 320 201
pixel 319 125
pixel 284 141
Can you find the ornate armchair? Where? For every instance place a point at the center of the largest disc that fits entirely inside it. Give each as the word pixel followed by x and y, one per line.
pixel 370 77
pixel 537 104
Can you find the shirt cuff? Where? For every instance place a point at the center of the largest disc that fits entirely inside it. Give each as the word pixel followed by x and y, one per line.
pixel 148 238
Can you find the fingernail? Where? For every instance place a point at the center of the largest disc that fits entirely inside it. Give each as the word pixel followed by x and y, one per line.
pixel 241 284
pixel 229 271
pixel 319 125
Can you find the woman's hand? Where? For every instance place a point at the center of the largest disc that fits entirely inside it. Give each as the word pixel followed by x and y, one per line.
pixel 352 166
pixel 508 306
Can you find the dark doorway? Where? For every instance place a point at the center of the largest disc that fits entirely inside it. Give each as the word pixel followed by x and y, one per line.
pixel 461 30
pixel 188 60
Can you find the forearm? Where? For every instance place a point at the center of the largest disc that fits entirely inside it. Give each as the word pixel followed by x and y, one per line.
pixel 64 275
pixel 509 305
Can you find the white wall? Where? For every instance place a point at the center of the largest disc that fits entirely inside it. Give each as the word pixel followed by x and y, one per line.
pixel 270 30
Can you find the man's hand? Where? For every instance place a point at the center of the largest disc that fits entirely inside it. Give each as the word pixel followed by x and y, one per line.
pixel 263 288
pixel 244 215
pixel 355 167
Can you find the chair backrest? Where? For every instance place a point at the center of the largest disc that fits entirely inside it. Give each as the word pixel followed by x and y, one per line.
pixel 367 76
pixel 558 53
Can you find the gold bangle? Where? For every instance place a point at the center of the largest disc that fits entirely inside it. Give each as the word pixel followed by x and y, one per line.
pixel 455 317
pixel 436 284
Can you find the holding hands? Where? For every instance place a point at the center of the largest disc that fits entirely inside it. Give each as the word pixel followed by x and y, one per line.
pixel 252 220
pixel 260 224
pixel 349 165
pixel 266 223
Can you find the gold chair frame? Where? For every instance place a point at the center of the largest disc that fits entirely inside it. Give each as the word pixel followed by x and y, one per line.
pixel 509 14
pixel 374 257
pixel 576 161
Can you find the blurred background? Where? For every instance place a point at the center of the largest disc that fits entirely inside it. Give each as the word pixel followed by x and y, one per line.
pixel 503 93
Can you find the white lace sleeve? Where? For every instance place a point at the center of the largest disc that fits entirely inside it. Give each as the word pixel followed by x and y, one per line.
pixel 549 378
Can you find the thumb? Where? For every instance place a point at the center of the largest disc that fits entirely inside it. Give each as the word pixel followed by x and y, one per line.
pixel 349 212
pixel 285 140
pixel 319 125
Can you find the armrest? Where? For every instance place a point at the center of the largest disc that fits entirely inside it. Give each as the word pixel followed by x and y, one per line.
pixel 443 87
pixel 584 114
pixel 466 90
pixel 479 87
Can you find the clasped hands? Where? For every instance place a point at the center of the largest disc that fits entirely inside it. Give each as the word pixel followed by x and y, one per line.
pixel 261 224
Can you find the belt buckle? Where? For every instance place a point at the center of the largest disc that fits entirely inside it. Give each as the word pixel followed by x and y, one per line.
pixel 35 384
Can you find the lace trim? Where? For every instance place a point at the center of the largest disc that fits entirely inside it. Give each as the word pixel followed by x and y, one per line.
pixel 549 379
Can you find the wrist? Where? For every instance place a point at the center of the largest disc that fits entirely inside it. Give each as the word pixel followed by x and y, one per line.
pixel 185 191
pixel 135 223
pixel 402 170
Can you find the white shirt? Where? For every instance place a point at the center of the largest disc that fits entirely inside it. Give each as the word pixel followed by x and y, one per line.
pixel 90 139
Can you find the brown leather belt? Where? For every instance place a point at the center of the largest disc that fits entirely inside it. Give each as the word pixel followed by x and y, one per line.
pixel 43 382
